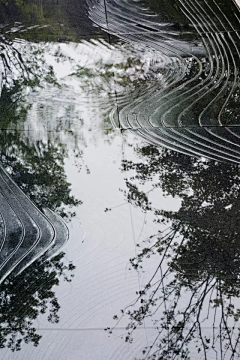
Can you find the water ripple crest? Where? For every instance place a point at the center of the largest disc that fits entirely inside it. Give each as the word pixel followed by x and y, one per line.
pixel 26 233
pixel 196 112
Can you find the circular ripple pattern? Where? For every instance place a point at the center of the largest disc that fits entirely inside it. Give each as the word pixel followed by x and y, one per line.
pixel 197 111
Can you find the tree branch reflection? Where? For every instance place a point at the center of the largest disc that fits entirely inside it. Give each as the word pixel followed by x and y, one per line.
pixel 192 298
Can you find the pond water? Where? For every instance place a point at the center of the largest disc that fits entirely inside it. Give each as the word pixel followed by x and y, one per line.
pixel 119 179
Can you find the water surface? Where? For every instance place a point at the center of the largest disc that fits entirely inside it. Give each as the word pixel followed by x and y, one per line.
pixel 119 180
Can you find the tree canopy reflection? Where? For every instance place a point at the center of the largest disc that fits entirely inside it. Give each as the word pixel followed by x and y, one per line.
pixel 33 289
pixel 192 297
pixel 38 168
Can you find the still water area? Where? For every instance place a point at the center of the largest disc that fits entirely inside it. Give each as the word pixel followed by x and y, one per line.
pixel 119 179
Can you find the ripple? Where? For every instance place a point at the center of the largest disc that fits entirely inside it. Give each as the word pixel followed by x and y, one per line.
pixel 27 233
pixel 197 109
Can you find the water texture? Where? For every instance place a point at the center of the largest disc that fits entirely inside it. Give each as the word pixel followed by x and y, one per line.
pixel 119 131
pixel 196 111
pixel 26 233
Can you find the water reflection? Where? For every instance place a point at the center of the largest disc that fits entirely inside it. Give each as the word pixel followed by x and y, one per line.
pixel 35 196
pixel 176 85
pixel 32 233
pixel 33 290
pixel 46 21
pixel 200 94
pixel 192 296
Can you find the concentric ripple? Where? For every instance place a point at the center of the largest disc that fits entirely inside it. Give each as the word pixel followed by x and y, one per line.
pixel 26 234
pixel 197 111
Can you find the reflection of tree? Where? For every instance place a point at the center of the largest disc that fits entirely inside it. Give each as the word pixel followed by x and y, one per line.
pixel 47 17
pixel 39 171
pixel 192 296
pixel 128 74
pixel 33 289
pixel 53 20
pixel 37 167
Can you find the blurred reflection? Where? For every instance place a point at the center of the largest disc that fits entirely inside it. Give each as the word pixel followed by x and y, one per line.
pixel 52 20
pixel 192 298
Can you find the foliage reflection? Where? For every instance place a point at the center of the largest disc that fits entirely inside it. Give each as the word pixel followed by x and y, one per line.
pixel 33 289
pixel 38 169
pixel 192 297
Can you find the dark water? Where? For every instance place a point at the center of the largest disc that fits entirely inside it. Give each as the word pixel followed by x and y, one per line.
pixel 119 180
